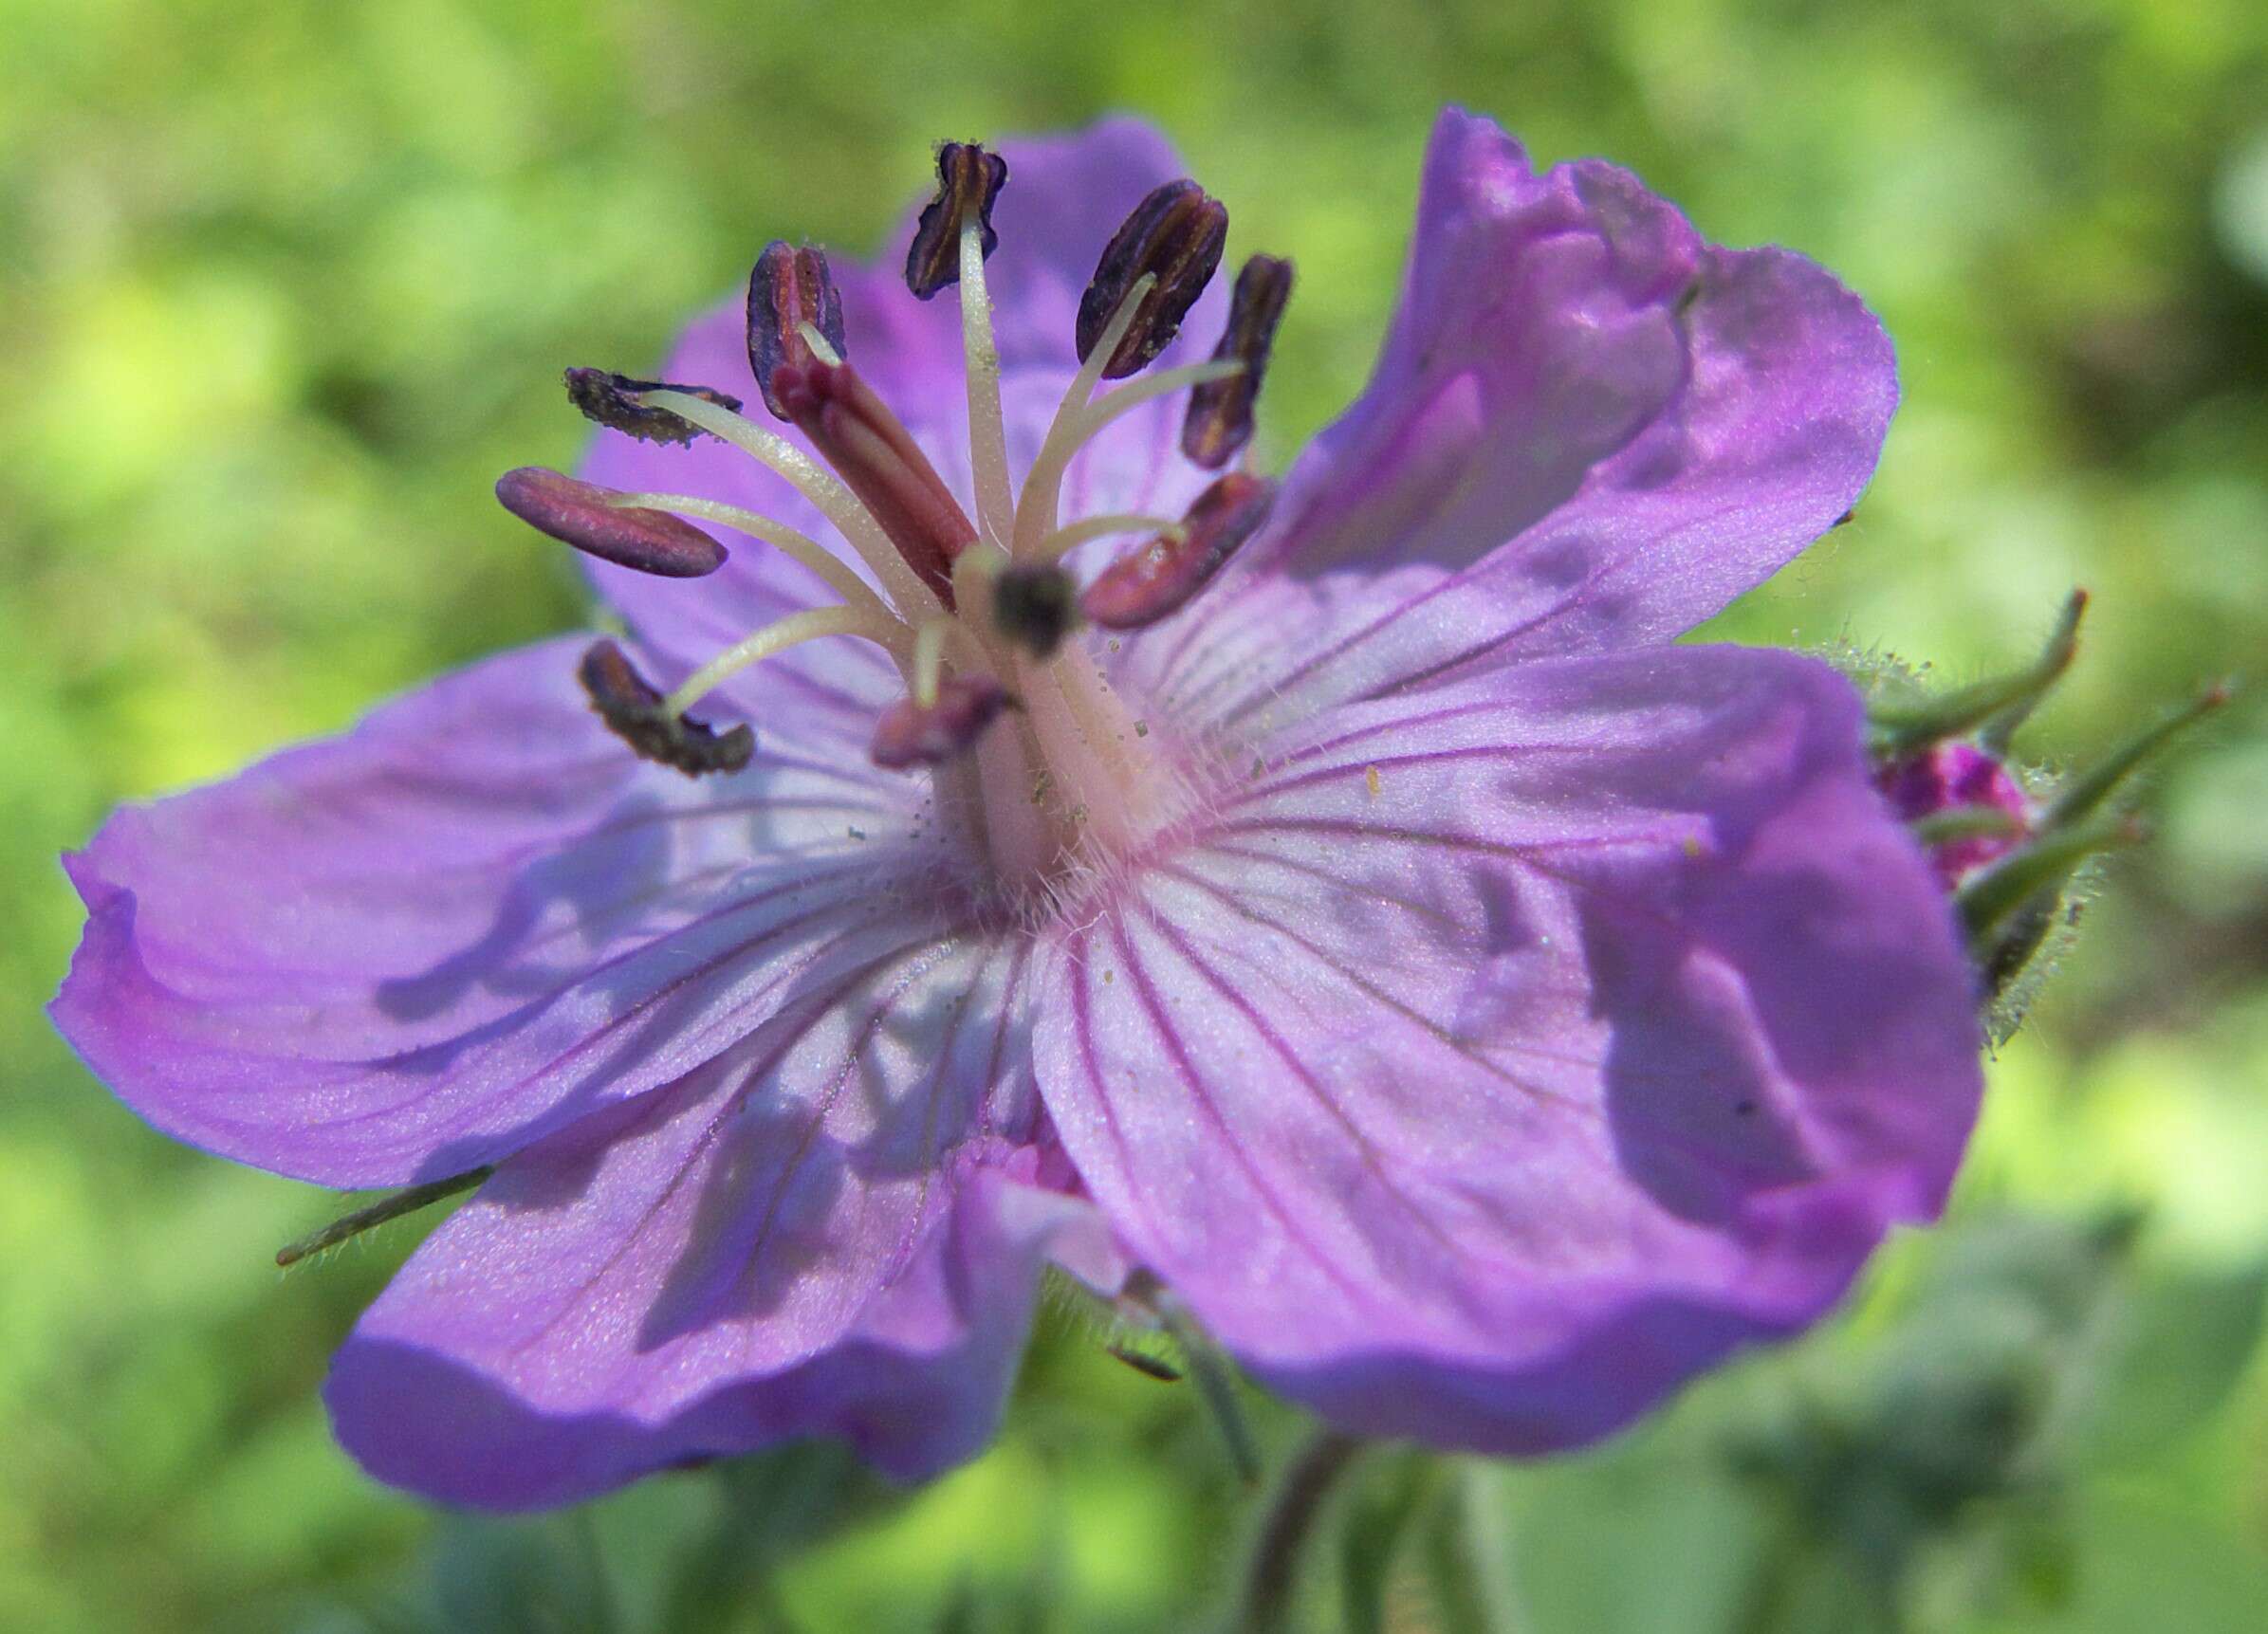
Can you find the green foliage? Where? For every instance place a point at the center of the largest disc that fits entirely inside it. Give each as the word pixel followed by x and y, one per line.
pixel 285 284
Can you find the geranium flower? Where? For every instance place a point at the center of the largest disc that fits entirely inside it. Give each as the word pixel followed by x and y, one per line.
pixel 1476 1013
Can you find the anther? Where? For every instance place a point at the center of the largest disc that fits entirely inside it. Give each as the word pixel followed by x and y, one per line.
pixel 1220 420
pixel 910 733
pixel 1035 607
pixel 788 289
pixel 1175 235
pixel 613 401
pixel 1160 578
pixel 968 178
pixel 633 710
pixel 588 518
pixel 878 460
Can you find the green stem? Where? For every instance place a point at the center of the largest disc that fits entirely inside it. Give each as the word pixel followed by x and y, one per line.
pixel 1273 1574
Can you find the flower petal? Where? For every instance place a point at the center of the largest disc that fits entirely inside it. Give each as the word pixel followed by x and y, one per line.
pixel 1587 430
pixel 1504 1055
pixel 1065 197
pixel 833 1230
pixel 413 949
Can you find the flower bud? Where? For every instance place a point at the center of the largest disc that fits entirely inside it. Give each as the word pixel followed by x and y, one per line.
pixel 579 514
pixel 1175 235
pixel 1954 781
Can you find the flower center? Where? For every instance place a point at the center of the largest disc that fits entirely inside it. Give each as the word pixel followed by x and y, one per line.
pixel 1032 753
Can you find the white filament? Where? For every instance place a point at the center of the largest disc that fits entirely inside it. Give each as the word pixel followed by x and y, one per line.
pixel 821 347
pixel 837 502
pixel 987 433
pixel 798 547
pixel 1072 536
pixel 1042 483
pixel 777 637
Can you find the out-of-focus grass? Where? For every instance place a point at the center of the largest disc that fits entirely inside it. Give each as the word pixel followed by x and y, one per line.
pixel 284 284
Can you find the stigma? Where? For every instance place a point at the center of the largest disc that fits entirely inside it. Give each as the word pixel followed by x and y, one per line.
pixel 968 595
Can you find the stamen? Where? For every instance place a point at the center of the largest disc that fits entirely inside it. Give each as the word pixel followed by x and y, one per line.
pixel 812 481
pixel 600 522
pixel 1220 420
pixel 912 733
pixel 1160 578
pixel 791 296
pixel 1076 427
pixel 777 637
pixel 970 177
pixel 1163 384
pixel 654 728
pixel 800 548
pixel 1175 235
pixel 1067 539
pixel 617 402
pixel 988 429
pixel 1035 520
pixel 951 242
pixel 881 462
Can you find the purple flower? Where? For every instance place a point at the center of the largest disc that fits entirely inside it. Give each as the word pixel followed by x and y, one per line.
pixel 1478 1014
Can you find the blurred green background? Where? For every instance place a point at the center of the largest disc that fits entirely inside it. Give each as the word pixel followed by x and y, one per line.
pixel 282 285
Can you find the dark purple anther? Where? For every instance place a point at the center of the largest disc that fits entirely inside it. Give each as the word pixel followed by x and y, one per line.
pixel 1176 235
pixel 1035 607
pixel 613 401
pixel 789 289
pixel 579 514
pixel 913 734
pixel 633 711
pixel 968 178
pixel 1220 419
pixel 1161 577
pixel 878 460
